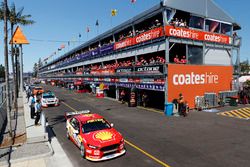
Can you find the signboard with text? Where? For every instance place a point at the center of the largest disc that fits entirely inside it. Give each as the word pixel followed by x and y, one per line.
pixel 197 35
pixel 194 80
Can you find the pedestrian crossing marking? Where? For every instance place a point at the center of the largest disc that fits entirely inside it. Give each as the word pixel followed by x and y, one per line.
pixel 242 113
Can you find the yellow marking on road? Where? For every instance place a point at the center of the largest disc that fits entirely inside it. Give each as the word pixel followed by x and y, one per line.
pixel 246 111
pixel 77 99
pixel 235 114
pixel 242 113
pixel 132 145
pixel 150 109
pixel 147 154
pixel 69 106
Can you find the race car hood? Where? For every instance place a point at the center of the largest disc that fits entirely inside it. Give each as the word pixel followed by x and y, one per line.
pixel 103 138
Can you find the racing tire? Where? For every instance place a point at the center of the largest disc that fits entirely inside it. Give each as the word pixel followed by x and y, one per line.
pixel 67 134
pixel 82 151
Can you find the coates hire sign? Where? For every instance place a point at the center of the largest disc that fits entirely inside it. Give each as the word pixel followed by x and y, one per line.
pixel 143 37
pixel 197 35
pixel 194 81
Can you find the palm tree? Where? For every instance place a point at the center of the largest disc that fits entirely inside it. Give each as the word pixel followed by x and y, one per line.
pixel 6 62
pixel 16 17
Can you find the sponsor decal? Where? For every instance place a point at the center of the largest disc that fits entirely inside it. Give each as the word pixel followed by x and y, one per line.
pixel 87 115
pixel 95 120
pixel 104 136
pixel 196 35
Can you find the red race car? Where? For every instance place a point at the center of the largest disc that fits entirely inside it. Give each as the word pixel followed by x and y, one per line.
pixel 96 138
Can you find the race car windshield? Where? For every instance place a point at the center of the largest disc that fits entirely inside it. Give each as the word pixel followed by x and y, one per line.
pixel 48 96
pixel 95 125
pixel 38 88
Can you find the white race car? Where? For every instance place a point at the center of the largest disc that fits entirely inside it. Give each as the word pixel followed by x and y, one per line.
pixel 49 99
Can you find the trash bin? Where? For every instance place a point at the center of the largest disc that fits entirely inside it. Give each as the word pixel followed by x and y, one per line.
pixel 233 101
pixel 169 109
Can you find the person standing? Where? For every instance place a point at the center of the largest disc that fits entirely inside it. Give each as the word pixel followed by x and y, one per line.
pixel 145 99
pixel 182 106
pixel 32 106
pixel 122 96
pixel 38 107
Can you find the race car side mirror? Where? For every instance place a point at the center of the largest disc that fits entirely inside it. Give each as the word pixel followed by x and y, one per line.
pixel 112 125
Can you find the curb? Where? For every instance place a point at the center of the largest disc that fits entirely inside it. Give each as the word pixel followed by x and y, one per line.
pixel 4 163
pixel 39 156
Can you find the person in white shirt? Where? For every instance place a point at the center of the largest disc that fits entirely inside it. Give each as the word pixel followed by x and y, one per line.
pixel 38 109
pixel 32 106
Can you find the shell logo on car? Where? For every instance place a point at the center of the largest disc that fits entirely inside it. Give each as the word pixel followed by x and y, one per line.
pixel 104 136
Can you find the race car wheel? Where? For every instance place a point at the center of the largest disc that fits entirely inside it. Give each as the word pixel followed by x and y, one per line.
pixel 67 134
pixel 82 151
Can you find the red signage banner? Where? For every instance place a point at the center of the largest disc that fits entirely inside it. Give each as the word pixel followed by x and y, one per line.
pixel 149 35
pixel 193 80
pixel 102 72
pixel 124 43
pixel 143 37
pixel 196 35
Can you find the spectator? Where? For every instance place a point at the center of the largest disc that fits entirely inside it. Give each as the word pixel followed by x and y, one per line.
pixel 183 60
pixel 182 23
pixel 145 99
pixel 122 96
pixel 182 106
pixel 176 22
pixel 38 110
pixel 176 59
pixel 32 106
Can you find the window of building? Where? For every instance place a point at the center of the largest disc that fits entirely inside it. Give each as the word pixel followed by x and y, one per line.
pixel 180 19
pixel 196 22
pixel 195 55
pixel 177 53
pixel 226 29
pixel 212 26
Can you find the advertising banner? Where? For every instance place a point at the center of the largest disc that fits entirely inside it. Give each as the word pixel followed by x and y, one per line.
pixel 197 35
pixel 124 43
pixel 79 73
pixel 107 49
pixel 193 80
pixel 95 52
pixel 149 35
pixel 150 87
pixel 149 69
pixel 102 72
pixel 124 70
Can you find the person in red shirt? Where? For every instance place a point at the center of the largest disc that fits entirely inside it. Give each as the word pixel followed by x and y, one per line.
pixel 176 59
pixel 183 60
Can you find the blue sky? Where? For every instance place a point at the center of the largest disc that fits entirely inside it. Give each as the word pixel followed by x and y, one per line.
pixel 59 21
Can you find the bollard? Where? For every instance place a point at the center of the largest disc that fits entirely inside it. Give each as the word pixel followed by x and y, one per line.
pixel 43 121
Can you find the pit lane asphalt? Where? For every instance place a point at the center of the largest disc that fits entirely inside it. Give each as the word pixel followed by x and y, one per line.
pixel 201 139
